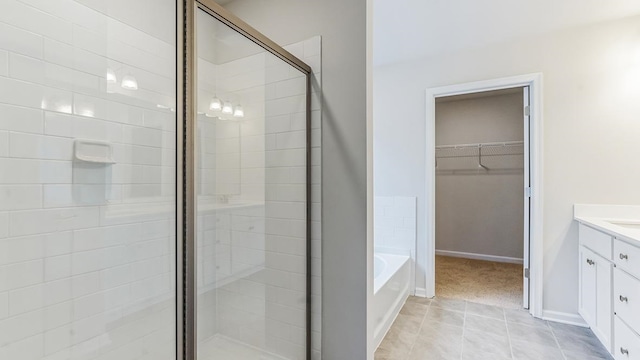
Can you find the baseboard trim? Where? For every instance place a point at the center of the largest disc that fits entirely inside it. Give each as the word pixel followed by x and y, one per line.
pixel 564 318
pixel 421 292
pixel 465 255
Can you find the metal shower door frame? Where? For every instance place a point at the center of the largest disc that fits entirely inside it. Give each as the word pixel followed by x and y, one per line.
pixel 186 286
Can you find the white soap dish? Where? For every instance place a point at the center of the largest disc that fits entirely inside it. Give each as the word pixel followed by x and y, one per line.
pixel 93 151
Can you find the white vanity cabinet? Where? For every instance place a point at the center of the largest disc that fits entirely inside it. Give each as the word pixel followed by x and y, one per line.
pixel 609 298
pixel 626 300
pixel 595 288
pixel 627 342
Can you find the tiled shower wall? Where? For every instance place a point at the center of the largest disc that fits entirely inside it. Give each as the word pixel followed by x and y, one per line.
pixel 282 143
pixel 311 53
pixel 86 250
pixel 395 225
pixel 252 251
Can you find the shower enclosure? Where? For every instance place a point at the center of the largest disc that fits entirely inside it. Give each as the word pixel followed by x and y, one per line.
pixel 154 197
pixel 246 173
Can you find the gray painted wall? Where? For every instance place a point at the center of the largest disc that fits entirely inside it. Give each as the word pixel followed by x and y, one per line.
pixel 342 25
pixel 480 212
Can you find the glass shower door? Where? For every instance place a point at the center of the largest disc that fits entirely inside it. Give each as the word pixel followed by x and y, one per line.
pixel 251 198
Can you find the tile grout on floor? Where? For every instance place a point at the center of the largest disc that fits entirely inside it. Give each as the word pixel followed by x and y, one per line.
pixel 557 342
pixel 508 317
pixel 504 316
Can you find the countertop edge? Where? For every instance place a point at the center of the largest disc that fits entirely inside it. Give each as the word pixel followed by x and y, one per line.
pixel 603 225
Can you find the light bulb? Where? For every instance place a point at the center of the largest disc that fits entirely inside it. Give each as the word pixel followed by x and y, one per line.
pixel 111 76
pixel 227 108
pixel 129 82
pixel 238 112
pixel 216 104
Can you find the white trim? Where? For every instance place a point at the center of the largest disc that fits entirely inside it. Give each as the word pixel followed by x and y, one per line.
pixel 369 331
pixel 564 318
pixel 534 82
pixel 466 255
pixel 421 292
pixel 526 284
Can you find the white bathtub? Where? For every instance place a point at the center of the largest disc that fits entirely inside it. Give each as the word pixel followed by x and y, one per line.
pixel 390 291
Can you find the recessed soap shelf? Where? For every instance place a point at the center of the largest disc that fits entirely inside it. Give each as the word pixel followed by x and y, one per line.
pixel 93 151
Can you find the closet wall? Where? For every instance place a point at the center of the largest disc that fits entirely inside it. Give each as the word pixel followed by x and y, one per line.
pixel 480 211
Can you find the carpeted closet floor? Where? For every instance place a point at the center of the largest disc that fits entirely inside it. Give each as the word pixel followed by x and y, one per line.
pixel 484 282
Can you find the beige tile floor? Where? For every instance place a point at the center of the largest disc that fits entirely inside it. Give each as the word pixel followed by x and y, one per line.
pixel 458 329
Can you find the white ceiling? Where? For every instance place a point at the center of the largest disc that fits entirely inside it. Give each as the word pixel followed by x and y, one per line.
pixel 412 29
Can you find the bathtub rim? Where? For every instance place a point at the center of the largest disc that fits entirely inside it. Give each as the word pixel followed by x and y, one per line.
pixel 392 263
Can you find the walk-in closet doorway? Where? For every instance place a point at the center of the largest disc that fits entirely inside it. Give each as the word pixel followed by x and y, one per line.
pixel 483 192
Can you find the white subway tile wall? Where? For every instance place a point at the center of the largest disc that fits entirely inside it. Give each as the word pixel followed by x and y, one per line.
pixel 395 224
pixel 87 251
pixel 252 205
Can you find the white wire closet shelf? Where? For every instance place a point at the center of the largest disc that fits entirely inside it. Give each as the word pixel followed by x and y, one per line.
pixel 480 156
pixel 482 149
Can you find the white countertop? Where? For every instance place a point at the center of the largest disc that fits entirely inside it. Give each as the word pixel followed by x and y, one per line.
pixel 622 221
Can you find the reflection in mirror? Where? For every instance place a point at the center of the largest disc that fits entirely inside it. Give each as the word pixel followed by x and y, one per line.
pixel 251 199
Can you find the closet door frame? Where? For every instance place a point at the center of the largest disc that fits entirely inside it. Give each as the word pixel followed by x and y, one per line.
pixel 526 283
pixel 534 242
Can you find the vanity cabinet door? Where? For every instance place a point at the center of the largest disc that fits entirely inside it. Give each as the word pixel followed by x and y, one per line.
pixel 596 289
pixel 626 297
pixel 627 346
pixel 588 277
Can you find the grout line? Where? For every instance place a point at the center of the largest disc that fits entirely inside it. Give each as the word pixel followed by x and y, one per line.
pixel 464 325
pixel 564 356
pixel 424 318
pixel 504 316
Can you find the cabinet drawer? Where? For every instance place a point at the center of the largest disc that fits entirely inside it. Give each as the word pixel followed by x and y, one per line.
pixel 627 343
pixel 627 257
pixel 626 298
pixel 597 241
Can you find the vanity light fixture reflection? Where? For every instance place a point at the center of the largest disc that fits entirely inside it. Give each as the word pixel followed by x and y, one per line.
pixel 238 112
pixel 216 104
pixel 227 108
pixel 129 83
pixel 111 76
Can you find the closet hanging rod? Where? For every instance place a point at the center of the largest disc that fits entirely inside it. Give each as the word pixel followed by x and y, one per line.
pixel 477 145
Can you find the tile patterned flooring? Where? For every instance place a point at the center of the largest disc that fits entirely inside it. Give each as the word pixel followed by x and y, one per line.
pixel 444 329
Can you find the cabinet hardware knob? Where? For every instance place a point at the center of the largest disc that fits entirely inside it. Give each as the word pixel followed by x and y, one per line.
pixel 624 256
pixel 624 351
pixel 624 298
pixel 590 262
